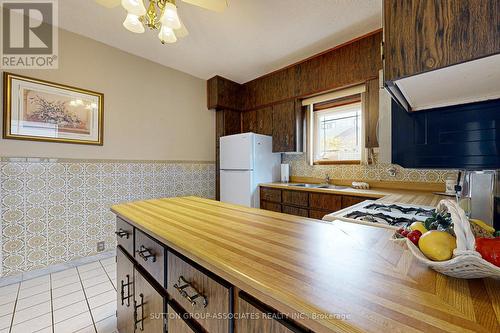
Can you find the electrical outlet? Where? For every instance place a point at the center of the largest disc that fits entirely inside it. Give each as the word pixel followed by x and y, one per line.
pixel 100 246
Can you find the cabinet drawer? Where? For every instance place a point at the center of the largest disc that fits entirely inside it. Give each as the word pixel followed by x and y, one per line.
pixel 348 201
pixel 296 198
pixel 328 202
pixel 275 207
pixel 199 294
pixel 150 254
pixel 125 235
pixel 295 211
pixel 270 194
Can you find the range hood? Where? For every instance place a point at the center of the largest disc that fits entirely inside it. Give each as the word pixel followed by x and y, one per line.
pixel 468 82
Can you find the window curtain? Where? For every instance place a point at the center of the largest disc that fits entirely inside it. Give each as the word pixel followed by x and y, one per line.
pixel 329 100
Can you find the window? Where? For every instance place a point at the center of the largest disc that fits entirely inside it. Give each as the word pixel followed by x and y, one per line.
pixel 337 134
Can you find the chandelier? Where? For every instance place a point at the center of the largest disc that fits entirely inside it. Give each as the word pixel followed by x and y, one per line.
pixel 160 15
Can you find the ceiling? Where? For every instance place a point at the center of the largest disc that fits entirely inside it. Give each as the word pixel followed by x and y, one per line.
pixel 249 39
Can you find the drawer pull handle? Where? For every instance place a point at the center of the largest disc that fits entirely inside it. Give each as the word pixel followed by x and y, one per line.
pixel 122 291
pixel 137 306
pixel 122 233
pixel 146 253
pixel 182 284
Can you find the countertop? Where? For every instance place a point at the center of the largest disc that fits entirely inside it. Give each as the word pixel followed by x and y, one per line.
pixel 344 277
pixel 424 198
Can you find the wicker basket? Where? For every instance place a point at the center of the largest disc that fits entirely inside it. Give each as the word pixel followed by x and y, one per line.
pixel 466 263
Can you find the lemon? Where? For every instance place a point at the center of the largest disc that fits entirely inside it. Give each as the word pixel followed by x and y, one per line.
pixel 419 226
pixel 437 245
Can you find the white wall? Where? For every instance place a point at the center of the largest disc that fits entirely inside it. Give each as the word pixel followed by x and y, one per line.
pixel 151 112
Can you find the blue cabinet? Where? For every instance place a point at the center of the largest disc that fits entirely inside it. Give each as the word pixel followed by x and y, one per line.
pixel 464 136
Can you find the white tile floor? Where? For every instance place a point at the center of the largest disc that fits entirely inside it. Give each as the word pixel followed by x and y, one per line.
pixel 81 299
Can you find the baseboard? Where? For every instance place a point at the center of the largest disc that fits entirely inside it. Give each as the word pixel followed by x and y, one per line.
pixel 4 281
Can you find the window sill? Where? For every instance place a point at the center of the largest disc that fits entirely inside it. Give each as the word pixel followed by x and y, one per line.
pixel 355 162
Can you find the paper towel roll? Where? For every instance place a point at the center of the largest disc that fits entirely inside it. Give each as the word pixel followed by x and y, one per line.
pixel 285 173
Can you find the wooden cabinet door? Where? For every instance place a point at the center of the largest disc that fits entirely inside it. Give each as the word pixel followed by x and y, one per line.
pixel 449 32
pixel 272 206
pixel 149 306
pixel 326 202
pixel 295 198
pixel 270 194
pixel 371 113
pixel 125 292
pixel 232 122
pixel 256 318
pixel 249 122
pixel 317 214
pixel 295 211
pixel 176 324
pixel 285 127
pixel 264 120
pixel 348 201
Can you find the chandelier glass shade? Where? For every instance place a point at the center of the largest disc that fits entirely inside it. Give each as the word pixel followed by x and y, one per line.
pixel 159 15
pixel 133 24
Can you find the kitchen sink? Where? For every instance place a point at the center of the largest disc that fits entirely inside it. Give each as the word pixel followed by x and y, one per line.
pixel 331 187
pixel 305 185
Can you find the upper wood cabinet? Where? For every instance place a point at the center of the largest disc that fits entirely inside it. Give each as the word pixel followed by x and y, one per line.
pixel 223 94
pixel 258 121
pixel 249 121
pixel 265 121
pixel 272 88
pixel 287 127
pixel 424 35
pixel 346 65
pixel 371 113
pixel 351 63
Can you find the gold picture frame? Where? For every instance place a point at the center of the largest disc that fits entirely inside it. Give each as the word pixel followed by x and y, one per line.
pixel 40 110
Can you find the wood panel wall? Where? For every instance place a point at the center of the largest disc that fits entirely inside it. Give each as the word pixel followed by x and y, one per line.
pixel 348 64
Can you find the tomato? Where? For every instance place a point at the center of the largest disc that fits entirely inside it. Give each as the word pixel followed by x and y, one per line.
pixel 414 236
pixel 489 248
pixel 405 233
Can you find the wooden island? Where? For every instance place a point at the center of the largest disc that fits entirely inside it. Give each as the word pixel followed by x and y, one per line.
pixel 197 265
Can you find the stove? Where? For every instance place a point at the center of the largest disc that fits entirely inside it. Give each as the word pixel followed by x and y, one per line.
pixel 387 215
pixel 407 210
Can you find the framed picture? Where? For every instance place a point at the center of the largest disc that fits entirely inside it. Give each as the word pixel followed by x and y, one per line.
pixel 46 111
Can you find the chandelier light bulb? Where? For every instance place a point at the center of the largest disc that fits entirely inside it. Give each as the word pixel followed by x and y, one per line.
pixel 135 7
pixel 170 18
pixel 167 35
pixel 133 24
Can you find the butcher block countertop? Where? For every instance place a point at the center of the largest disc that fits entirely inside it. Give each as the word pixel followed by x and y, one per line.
pixel 329 276
pixel 425 198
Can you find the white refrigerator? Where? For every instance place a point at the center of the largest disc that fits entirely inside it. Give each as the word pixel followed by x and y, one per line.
pixel 246 160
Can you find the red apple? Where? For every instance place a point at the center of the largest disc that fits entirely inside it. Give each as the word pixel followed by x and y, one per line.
pixel 414 236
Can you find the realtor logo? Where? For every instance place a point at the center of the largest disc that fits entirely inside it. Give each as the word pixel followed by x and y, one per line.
pixel 29 37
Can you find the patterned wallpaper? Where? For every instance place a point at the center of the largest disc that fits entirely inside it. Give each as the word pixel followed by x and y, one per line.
pixel 54 211
pixel 377 171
